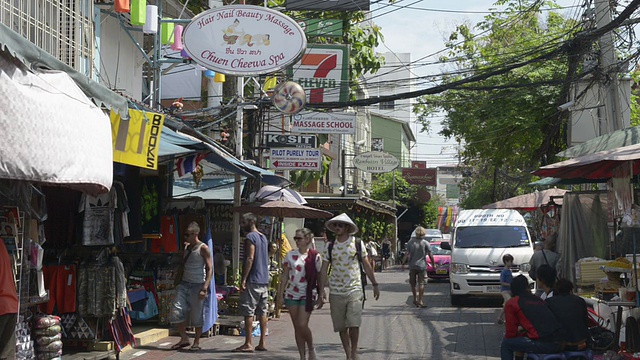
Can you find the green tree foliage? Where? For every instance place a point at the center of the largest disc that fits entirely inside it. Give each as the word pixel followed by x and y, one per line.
pixel 406 196
pixel 508 123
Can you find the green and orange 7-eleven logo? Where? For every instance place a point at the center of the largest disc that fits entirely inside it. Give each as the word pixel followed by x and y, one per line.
pixel 323 72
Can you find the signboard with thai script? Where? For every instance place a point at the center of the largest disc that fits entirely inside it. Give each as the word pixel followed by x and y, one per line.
pixel 376 162
pixel 417 176
pixel 244 40
pixel 323 72
pixel 321 27
pixel 275 140
pixel 311 122
pixel 295 159
pixel 324 5
pixel 137 141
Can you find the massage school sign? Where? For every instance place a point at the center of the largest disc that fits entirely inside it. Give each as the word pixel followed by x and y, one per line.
pixel 244 40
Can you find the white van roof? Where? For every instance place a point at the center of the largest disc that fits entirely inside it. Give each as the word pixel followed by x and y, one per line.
pixel 490 217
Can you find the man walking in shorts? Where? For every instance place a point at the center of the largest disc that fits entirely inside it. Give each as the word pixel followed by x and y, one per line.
pixel 255 282
pixel 417 250
pixel 188 308
pixel 345 284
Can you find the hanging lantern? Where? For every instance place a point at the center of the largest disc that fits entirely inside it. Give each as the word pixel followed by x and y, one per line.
pixel 151 24
pixel 209 74
pixel 166 31
pixel 121 6
pixel 177 38
pixel 184 54
pixel 138 12
pixel 219 78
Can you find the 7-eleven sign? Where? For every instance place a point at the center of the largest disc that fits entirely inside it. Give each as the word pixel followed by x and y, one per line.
pixel 323 72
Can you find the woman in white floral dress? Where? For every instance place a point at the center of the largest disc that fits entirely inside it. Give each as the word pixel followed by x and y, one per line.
pixel 299 278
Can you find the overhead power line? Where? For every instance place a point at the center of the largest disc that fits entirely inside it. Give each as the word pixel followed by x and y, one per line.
pixel 580 40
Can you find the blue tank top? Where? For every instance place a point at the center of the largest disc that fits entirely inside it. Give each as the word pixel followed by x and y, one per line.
pixel 259 273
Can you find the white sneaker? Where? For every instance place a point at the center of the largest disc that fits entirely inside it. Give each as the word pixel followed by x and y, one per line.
pixel 313 355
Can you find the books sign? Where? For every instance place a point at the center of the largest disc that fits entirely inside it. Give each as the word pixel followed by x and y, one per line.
pixel 244 40
pixel 376 162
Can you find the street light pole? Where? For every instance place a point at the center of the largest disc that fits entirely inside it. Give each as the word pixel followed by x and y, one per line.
pixel 237 190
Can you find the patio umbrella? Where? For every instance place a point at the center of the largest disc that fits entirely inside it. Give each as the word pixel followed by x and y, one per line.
pixel 283 209
pixel 270 192
pixel 527 202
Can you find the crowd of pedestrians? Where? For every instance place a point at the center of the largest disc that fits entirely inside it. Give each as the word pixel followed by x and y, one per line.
pixel 550 321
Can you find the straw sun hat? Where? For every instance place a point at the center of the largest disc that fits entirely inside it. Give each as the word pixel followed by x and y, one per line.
pixel 342 218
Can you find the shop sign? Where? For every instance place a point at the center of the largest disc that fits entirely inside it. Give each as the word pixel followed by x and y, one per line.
pixel 420 176
pixel 418 164
pixel 137 141
pixel 295 159
pixel 274 140
pixel 376 162
pixel 324 5
pixel 244 40
pixel 323 72
pixel 324 122
pixel 321 27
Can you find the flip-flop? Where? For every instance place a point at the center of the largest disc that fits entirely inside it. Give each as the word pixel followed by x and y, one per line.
pixel 243 349
pixel 422 306
pixel 258 348
pixel 195 348
pixel 180 346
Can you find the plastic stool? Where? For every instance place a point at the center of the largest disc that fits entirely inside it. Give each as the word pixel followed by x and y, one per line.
pixel 580 354
pixel 559 356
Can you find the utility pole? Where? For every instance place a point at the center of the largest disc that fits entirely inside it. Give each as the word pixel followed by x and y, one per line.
pixel 609 89
pixel 237 190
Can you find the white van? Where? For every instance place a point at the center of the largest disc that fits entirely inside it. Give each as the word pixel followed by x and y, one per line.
pixel 479 240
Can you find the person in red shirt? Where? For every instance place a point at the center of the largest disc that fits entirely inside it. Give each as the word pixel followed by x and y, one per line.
pixel 8 306
pixel 541 334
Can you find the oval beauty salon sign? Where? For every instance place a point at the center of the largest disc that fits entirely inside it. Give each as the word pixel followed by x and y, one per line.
pixel 376 162
pixel 243 40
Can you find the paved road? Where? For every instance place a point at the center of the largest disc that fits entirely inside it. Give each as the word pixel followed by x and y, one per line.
pixel 392 329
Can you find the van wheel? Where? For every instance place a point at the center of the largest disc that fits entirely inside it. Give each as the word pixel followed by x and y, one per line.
pixel 456 300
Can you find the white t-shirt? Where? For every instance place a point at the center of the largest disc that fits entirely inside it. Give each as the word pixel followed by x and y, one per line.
pixel 297 285
pixel 345 270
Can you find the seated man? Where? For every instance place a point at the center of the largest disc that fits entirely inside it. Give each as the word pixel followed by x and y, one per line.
pixel 571 312
pixel 546 280
pixel 542 333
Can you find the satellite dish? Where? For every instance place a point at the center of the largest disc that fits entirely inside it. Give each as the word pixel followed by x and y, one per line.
pixel 289 97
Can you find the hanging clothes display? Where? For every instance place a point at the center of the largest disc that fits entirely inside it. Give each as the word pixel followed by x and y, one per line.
pixel 98 211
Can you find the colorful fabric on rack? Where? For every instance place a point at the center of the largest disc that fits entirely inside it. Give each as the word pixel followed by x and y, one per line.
pixel 168 243
pixel 60 280
pixel 81 330
pixel 120 330
pixel 167 299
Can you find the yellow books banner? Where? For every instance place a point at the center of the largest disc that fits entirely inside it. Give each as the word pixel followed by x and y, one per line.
pixel 137 141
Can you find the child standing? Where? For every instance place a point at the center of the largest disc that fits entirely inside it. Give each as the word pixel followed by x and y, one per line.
pixel 505 284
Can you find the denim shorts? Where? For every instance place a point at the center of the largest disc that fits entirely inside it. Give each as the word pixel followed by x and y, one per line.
pixel 292 302
pixel 188 306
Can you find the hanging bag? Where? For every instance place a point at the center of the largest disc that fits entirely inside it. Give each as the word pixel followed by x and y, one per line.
pixel 180 272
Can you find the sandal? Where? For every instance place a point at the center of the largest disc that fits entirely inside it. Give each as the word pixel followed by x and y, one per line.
pixel 499 321
pixel 243 349
pixel 195 348
pixel 180 345
pixel 259 348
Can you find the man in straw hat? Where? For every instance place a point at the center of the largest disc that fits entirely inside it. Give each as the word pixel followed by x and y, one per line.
pixel 346 293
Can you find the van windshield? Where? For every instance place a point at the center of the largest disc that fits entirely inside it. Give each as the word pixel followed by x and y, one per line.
pixel 491 237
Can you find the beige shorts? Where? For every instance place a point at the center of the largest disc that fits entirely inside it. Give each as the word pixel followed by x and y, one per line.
pixel 506 295
pixel 346 310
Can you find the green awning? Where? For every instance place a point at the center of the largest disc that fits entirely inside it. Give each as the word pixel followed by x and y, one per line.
pixel 34 57
pixel 616 139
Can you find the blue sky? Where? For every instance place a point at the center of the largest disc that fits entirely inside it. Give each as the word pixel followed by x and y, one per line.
pixel 420 27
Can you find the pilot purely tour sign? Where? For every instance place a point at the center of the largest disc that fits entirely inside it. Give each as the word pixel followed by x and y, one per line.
pixel 244 40
pixel 376 162
pixel 295 159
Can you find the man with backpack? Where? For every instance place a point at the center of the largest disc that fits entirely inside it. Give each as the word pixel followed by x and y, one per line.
pixel 346 281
